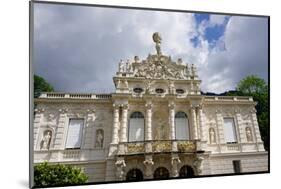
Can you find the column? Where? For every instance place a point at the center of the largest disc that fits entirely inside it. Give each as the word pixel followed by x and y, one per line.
pixel 203 129
pixel 172 126
pixel 172 121
pixel 148 129
pixel 124 123
pixel 115 134
pixel 198 124
pixel 115 124
pixel 148 133
pixel 194 121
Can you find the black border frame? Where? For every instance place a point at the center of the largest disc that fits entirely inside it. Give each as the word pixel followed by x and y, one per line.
pixel 31 73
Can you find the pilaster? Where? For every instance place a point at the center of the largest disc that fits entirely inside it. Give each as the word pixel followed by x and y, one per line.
pixel 39 113
pixel 60 132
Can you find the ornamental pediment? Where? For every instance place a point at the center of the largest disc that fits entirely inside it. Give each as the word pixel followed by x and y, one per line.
pixel 160 67
pixel 157 66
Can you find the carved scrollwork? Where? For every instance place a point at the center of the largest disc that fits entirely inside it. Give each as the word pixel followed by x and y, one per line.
pixel 135 148
pixel 162 146
pixel 186 146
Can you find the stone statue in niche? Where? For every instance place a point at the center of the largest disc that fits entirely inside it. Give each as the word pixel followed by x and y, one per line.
pixel 45 143
pixel 249 134
pixel 99 138
pixel 212 136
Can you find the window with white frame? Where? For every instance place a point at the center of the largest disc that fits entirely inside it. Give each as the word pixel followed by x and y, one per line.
pixel 136 127
pixel 229 130
pixel 182 128
pixel 74 133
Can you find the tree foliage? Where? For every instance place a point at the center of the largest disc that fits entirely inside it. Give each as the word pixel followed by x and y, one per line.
pixel 41 85
pixel 57 175
pixel 252 85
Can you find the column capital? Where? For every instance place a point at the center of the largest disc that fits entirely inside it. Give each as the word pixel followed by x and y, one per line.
pixel 63 110
pixel 39 110
pixel 237 111
pixel 148 105
pixel 194 106
pixel 253 110
pixel 91 111
pixel 171 105
pixel 218 111
pixel 125 106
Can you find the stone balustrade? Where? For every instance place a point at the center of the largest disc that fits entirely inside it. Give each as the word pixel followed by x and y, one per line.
pixel 74 96
pixel 228 98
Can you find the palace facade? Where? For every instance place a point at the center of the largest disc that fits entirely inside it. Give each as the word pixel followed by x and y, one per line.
pixel 155 125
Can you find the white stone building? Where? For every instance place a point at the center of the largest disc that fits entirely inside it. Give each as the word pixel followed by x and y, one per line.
pixel 155 125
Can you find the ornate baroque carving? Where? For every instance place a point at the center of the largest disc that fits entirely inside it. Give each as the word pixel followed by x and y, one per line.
pixel 135 148
pixel 162 146
pixel 186 146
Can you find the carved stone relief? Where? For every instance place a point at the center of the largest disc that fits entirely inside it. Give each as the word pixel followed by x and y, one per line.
pixel 249 135
pixel 99 138
pixel 46 140
pixel 212 136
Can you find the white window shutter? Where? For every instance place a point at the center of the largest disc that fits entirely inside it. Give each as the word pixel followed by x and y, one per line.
pixel 229 130
pixel 74 135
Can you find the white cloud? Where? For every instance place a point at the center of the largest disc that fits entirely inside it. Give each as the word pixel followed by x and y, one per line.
pixel 216 19
pixel 246 46
pixel 77 49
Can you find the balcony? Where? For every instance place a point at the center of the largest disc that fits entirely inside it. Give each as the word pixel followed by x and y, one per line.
pixel 158 146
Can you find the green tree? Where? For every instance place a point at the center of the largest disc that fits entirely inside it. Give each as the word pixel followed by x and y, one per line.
pixel 252 85
pixel 41 85
pixel 258 89
pixel 57 175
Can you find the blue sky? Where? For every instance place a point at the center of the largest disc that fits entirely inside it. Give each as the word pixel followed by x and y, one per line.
pixel 77 49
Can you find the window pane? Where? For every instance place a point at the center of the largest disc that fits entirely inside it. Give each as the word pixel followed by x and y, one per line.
pixel 182 131
pixel 136 129
pixel 229 130
pixel 74 134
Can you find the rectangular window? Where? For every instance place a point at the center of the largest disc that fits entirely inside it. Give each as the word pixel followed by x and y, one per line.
pixel 236 166
pixel 229 130
pixel 74 134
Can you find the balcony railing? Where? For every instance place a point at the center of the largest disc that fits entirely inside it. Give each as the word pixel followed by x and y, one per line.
pixel 56 95
pixel 158 146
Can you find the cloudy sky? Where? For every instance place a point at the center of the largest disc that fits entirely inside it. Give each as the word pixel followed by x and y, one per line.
pixel 78 48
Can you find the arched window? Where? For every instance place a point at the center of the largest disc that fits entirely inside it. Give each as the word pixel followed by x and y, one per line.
pixel 161 173
pixel 182 128
pixel 134 175
pixel 136 127
pixel 186 171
